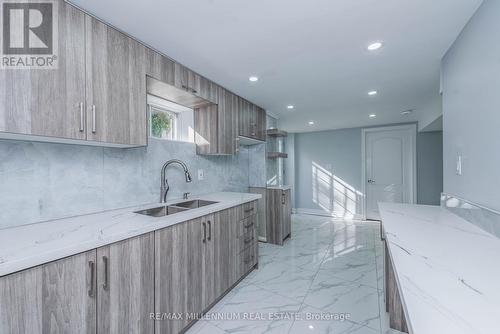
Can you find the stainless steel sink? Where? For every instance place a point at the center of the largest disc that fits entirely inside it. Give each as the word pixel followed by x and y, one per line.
pixel 198 203
pixel 161 211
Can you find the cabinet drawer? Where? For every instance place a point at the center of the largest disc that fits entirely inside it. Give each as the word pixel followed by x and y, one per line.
pixel 247 239
pixel 248 257
pixel 249 209
pixel 246 225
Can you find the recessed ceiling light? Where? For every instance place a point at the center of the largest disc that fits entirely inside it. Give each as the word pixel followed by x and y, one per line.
pixel 311 123
pixel 372 93
pixel 406 112
pixel 253 78
pixel 375 46
pixel 372 115
pixel 290 107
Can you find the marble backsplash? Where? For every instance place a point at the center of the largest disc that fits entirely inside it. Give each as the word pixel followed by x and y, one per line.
pixel 43 181
pixel 486 219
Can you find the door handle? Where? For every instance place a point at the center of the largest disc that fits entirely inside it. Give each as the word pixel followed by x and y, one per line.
pixel 93 119
pixel 204 232
pixel 105 285
pixel 82 118
pixel 92 274
pixel 209 230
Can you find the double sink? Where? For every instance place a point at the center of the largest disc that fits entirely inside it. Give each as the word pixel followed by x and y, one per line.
pixel 166 210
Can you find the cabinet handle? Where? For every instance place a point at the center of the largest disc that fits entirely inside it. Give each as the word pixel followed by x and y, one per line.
pixel 93 119
pixel 82 118
pixel 92 273
pixel 237 149
pixel 283 197
pixel 249 240
pixel 185 87
pixel 249 210
pixel 204 232
pixel 249 225
pixel 194 91
pixel 209 230
pixel 105 285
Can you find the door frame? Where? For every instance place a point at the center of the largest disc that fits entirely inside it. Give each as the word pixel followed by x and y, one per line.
pixel 413 128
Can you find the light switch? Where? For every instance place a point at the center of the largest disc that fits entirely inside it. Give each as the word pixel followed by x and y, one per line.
pixel 459 164
pixel 201 174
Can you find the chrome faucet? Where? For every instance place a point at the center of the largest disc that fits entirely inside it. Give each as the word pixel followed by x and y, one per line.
pixel 164 183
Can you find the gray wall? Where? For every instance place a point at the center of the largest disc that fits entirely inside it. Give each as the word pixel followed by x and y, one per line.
pixel 328 172
pixel 471 109
pixel 429 167
pixel 41 181
pixel 328 164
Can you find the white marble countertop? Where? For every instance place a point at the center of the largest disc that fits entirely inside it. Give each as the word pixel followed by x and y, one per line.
pixel 448 270
pixel 279 187
pixel 31 245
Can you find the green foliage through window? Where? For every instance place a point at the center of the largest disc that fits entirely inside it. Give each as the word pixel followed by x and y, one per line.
pixel 160 122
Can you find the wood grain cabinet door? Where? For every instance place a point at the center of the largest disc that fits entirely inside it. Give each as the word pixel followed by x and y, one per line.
pixel 160 67
pixel 227 123
pixel 125 286
pixel 116 86
pixel 178 275
pixel 210 238
pixel 287 213
pixel 260 123
pixel 49 102
pixel 55 298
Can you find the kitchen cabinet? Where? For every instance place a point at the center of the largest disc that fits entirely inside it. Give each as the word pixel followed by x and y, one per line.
pixel 115 86
pixel 160 67
pixel 252 120
pixel 96 96
pixel 275 224
pixel 125 286
pixel 216 126
pixel 49 102
pixel 58 297
pixel 209 276
pixel 178 274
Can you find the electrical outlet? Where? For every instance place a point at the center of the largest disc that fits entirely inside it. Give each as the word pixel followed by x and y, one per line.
pixel 201 174
pixel 459 165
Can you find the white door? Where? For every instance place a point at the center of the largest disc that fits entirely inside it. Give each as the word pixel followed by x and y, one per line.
pixel 390 166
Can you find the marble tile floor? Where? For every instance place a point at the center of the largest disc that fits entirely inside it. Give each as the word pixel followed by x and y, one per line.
pixel 327 271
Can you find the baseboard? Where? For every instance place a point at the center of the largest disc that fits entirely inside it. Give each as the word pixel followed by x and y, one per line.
pixel 336 215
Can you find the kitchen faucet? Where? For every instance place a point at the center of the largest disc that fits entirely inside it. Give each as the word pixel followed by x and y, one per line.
pixel 164 183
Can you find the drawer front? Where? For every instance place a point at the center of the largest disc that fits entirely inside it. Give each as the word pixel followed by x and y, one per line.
pixel 249 257
pixel 247 224
pixel 249 209
pixel 247 239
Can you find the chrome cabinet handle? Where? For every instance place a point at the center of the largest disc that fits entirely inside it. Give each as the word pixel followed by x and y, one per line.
pixel 209 230
pixel 249 210
pixel 283 197
pixel 93 119
pixel 194 91
pixel 82 118
pixel 204 232
pixel 237 149
pixel 105 285
pixel 92 274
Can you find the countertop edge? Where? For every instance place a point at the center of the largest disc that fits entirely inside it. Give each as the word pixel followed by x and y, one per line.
pixel 8 267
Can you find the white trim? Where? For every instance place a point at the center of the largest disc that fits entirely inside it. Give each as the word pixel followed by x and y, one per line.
pixel 414 159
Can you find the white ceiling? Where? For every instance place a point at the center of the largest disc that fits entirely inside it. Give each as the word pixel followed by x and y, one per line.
pixel 311 54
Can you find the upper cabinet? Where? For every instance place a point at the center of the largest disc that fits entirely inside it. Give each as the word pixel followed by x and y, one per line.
pixel 252 120
pixel 97 94
pixel 216 126
pixel 49 102
pixel 116 86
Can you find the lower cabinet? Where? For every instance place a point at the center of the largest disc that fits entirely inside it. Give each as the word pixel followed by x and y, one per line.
pixel 125 286
pixel 58 297
pixel 159 282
